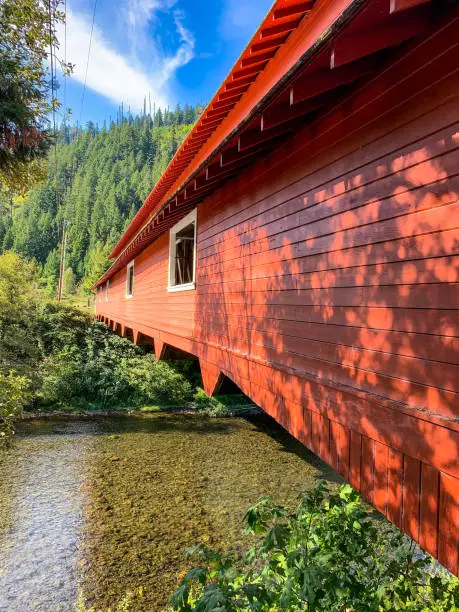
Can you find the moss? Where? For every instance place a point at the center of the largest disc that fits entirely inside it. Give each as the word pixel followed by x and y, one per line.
pixel 153 485
pixel 189 482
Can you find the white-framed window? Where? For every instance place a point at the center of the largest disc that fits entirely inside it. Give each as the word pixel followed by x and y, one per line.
pixel 182 254
pixel 130 279
pixel 107 289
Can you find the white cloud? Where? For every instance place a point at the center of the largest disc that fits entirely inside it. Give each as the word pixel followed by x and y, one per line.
pixel 125 79
pixel 184 53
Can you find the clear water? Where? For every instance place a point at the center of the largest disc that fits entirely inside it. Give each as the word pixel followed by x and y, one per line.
pixel 100 511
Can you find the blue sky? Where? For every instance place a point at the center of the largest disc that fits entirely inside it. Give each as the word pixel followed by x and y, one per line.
pixel 178 50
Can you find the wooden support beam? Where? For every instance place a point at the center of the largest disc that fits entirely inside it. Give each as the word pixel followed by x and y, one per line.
pixel 319 82
pixel 255 58
pixel 252 70
pixel 160 349
pixel 212 377
pixel 238 83
pixel 269 43
pixel 210 124
pixel 220 111
pixel 233 154
pixel 255 138
pixel 189 190
pixel 287 8
pixel 352 47
pixel 280 26
pixel 230 96
pixel 278 114
pixel 222 172
pixel 402 5
pixel 200 181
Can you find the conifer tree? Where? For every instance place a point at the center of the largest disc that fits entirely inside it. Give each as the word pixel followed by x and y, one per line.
pixel 105 175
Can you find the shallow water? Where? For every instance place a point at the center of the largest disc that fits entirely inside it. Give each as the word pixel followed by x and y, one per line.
pixel 98 511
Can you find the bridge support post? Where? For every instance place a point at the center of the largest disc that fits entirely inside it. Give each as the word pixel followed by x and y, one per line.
pixel 211 377
pixel 160 348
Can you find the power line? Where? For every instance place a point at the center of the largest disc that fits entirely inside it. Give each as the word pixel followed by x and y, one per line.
pixel 87 61
pixel 65 60
pixel 52 54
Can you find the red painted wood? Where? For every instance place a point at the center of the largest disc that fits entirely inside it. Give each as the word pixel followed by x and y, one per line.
pixel 448 550
pixel 411 496
pixel 395 477
pixel 327 288
pixel 350 48
pixel 159 349
pixel 343 450
pixel 402 5
pixel 285 8
pixel 381 458
pixel 430 489
pixel 211 377
pixel 367 468
pixel 311 85
pixel 355 459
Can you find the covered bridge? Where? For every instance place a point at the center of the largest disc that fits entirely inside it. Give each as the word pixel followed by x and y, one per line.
pixel 304 243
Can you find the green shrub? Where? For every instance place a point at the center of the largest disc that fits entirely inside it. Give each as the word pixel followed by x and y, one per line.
pixel 105 370
pixel 220 405
pixel 329 554
pixel 150 381
pixel 57 325
pixel 72 361
pixel 14 395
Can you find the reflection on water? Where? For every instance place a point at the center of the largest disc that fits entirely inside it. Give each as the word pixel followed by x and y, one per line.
pixel 105 507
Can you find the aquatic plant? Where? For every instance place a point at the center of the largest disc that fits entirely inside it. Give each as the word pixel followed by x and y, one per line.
pixel 330 553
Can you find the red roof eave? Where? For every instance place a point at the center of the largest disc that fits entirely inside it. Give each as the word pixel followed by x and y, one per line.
pixel 307 34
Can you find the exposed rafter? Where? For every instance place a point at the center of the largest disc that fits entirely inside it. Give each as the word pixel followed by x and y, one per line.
pixel 237 126
pixel 352 47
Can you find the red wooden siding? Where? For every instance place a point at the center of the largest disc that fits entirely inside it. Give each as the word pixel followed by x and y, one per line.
pixel 327 290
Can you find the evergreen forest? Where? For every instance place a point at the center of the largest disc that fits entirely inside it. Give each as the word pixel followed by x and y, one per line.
pixel 103 176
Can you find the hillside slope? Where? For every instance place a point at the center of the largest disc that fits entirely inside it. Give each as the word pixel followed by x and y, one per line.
pixel 104 175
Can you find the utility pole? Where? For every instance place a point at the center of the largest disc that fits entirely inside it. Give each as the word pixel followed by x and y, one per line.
pixel 68 177
pixel 62 262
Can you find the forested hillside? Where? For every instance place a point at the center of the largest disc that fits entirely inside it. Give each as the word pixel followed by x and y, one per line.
pixel 104 175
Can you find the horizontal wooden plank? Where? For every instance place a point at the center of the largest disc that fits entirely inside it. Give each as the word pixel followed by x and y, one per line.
pixel 285 276
pixel 288 334
pixel 439 295
pixel 272 263
pixel 295 229
pixel 443 217
pixel 402 172
pixel 388 152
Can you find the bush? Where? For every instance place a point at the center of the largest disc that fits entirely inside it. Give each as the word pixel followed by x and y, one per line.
pixel 153 382
pixel 14 395
pixel 73 362
pixel 330 554
pixel 105 370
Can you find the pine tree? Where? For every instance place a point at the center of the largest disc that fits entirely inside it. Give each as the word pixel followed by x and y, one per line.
pixel 105 176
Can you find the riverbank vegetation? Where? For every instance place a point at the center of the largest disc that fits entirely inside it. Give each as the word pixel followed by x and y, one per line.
pixel 55 357
pixel 330 553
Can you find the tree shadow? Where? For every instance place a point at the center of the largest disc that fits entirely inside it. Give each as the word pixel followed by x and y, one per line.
pixel 327 290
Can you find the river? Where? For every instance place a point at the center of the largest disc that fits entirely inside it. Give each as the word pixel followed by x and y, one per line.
pixel 96 514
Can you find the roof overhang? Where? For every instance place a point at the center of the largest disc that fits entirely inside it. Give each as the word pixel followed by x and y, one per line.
pixel 300 57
